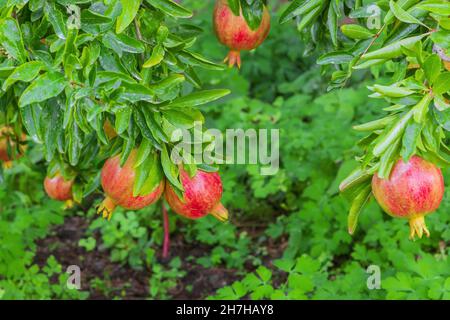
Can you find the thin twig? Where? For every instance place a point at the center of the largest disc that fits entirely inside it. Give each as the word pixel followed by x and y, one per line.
pixel 166 244
pixel 139 36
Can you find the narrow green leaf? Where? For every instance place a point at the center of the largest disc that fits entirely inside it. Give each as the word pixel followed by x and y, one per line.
pixel 436 6
pixel 46 86
pixel 171 8
pixel 432 68
pixel 197 98
pixel 11 39
pixel 403 15
pixel 25 72
pixel 56 19
pixel 394 49
pixel 357 205
pixel 355 31
pixel 409 142
pixel 129 10
pixel 391 91
pixel 421 109
pixel 337 57
pixel 393 134
pixel 332 24
pixel 442 83
pixel 156 57
pixel 170 169
pixel 297 8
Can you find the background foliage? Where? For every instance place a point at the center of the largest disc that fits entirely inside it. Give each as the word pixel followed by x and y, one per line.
pixel 288 233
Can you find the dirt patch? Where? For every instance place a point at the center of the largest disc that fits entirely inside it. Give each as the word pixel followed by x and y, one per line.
pixel 121 280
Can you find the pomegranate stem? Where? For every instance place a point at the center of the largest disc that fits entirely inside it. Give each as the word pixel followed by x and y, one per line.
pixel 166 243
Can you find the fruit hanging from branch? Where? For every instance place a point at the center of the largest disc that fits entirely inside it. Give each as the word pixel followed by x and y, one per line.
pixel 58 188
pixel 202 194
pixel 414 190
pixel 237 27
pixel 118 184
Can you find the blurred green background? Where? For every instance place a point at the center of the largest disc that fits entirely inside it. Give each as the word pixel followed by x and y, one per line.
pixel 287 238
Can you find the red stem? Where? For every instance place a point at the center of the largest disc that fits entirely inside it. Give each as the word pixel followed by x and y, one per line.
pixel 166 244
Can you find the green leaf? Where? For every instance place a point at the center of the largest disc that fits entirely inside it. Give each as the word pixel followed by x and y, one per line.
pixel 134 92
pixel 442 83
pixel 393 134
pixel 89 17
pixel 26 73
pixel 235 6
pixel 197 98
pixel 129 10
pixel 122 43
pixel 358 204
pixel 309 17
pixel 11 39
pixel 432 67
pixel 143 151
pixel 355 31
pixel 170 169
pixel 402 15
pixel 388 159
pixel 332 24
pixel 297 8
pixel 46 86
pixel 56 19
pixel 156 57
pixel 394 49
pixel 195 59
pixel 337 57
pixel 391 91
pixel 171 8
pixel 253 13
pixel 435 6
pixel 355 178
pixel 375 124
pixel 421 109
pixel 409 143
pixel 167 84
pixel 403 4
pixel 154 176
pixel 123 117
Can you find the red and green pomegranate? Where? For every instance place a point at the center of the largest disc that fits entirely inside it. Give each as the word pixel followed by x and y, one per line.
pixel 118 182
pixel 234 32
pixel 59 189
pixel 7 137
pixel 413 190
pixel 202 194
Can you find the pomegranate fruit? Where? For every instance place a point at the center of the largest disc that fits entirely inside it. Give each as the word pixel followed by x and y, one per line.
pixel 109 130
pixel 413 190
pixel 202 194
pixel 59 189
pixel 7 137
pixel 118 182
pixel 234 32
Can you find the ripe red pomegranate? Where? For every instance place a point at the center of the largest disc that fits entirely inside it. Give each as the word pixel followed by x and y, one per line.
pixel 202 194
pixel 234 32
pixel 117 182
pixel 7 137
pixel 59 189
pixel 414 189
